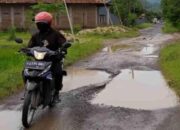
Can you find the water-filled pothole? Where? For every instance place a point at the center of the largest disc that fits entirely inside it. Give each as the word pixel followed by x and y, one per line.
pixel 148 50
pixel 151 56
pixel 81 77
pixel 10 120
pixel 107 49
pixel 138 90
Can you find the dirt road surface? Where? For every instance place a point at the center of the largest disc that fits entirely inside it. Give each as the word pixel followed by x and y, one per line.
pixel 119 89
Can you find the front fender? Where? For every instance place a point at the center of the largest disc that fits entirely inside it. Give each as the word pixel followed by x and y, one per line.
pixel 31 86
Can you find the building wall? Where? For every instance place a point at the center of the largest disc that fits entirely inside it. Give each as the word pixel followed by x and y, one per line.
pixel 5 16
pixel 84 15
pixel 12 16
pixel 91 19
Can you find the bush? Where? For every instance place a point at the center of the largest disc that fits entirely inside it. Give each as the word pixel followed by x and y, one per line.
pixel 77 28
pixel 171 11
pixel 170 28
pixel 12 33
pixel 131 19
pixel 144 25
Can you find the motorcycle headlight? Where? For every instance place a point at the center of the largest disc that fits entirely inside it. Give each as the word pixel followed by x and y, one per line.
pixel 39 55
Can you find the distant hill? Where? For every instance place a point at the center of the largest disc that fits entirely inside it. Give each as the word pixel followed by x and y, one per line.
pixel 154 1
pixel 153 5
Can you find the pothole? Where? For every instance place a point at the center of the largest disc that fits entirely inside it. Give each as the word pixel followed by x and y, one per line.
pixel 114 48
pixel 107 49
pixel 81 77
pixel 148 50
pixel 151 56
pixel 138 90
pixel 10 120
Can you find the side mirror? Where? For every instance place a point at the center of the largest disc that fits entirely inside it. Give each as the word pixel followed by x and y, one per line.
pixel 67 45
pixel 18 40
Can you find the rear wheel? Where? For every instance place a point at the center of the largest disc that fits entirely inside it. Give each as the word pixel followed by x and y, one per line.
pixel 52 102
pixel 27 112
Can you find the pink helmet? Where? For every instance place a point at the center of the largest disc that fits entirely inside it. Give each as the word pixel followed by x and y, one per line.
pixel 44 17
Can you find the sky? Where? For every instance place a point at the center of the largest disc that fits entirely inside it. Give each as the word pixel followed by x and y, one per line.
pixel 154 1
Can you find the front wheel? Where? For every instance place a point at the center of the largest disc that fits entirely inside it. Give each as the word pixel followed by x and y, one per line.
pixel 27 112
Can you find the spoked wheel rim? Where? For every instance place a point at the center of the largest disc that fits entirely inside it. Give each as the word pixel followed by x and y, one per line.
pixel 31 113
pixel 28 111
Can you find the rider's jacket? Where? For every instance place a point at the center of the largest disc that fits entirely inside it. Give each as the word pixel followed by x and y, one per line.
pixel 51 39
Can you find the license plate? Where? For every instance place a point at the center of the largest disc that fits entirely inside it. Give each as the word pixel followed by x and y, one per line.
pixel 39 65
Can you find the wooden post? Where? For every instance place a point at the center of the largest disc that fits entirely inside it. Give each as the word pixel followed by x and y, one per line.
pixel 97 17
pixel 69 19
pixel 120 20
pixel 23 16
pixel 0 18
pixel 109 20
pixel 12 16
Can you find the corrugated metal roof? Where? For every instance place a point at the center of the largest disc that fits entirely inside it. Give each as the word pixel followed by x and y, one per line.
pixel 87 1
pixel 50 1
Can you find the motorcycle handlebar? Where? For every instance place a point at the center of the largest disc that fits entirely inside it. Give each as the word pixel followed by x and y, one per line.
pixel 60 53
pixel 25 50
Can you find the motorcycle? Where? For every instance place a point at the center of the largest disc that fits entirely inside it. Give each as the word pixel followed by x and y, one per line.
pixel 39 80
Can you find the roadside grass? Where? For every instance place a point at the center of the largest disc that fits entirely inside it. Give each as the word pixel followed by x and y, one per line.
pixel 11 62
pixel 85 47
pixel 170 65
pixel 144 25
pixel 92 42
pixel 169 28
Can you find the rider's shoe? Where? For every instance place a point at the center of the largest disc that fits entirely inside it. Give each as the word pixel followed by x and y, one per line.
pixel 57 98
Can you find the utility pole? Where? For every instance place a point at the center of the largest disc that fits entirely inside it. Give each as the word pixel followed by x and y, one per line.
pixel 120 20
pixel 69 19
pixel 108 13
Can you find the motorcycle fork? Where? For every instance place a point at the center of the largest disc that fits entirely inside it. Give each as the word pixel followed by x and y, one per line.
pixel 36 97
pixel 46 92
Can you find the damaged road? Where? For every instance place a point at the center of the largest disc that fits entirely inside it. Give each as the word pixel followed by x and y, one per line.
pixel 112 90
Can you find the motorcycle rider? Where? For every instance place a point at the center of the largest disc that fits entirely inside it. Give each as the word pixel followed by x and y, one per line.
pixel 53 40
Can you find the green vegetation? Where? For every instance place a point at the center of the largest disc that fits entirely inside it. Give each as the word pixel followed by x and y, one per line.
pixel 128 10
pixel 170 65
pixel 91 42
pixel 12 34
pixel 171 13
pixel 169 28
pixel 56 9
pixel 114 35
pixel 87 45
pixel 12 62
pixel 144 25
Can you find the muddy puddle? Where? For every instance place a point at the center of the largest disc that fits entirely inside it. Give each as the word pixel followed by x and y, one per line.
pixel 151 56
pixel 81 77
pixel 107 49
pixel 148 49
pixel 138 90
pixel 10 120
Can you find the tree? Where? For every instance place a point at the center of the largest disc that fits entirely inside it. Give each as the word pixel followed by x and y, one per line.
pixel 55 8
pixel 128 10
pixel 171 11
